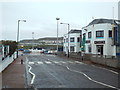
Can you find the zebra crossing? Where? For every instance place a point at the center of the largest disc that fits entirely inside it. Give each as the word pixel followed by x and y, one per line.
pixel 53 62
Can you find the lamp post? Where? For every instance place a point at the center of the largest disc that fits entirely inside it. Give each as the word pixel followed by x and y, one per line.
pixel 57 31
pixel 18 34
pixel 68 35
pixel 33 40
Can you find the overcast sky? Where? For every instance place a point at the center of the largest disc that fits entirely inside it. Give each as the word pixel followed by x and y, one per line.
pixel 41 16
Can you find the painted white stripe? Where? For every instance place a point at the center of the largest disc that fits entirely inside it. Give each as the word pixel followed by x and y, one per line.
pixel 62 62
pixel 79 62
pixel 48 62
pixel 40 62
pixel 33 78
pixel 56 62
pixel 30 62
pixel 89 78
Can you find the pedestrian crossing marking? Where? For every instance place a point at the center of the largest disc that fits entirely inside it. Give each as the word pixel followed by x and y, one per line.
pixel 48 62
pixel 78 62
pixel 40 62
pixel 57 62
pixel 31 62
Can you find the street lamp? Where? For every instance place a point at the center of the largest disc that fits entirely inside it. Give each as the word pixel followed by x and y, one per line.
pixel 33 40
pixel 57 31
pixel 18 34
pixel 68 35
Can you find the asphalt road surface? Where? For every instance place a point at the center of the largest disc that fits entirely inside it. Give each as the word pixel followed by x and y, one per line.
pixel 50 71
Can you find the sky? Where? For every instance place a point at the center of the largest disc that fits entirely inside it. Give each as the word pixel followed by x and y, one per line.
pixel 41 16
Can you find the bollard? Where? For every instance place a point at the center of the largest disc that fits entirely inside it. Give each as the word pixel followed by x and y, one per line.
pixel 21 61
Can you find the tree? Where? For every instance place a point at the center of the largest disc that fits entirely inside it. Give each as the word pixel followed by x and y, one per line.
pixel 12 46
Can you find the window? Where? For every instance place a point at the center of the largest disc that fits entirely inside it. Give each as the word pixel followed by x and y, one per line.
pixel 78 39
pixel 72 39
pixel 66 39
pixel 89 48
pixel 100 33
pixel 72 48
pixel 89 34
pixel 84 34
pixel 110 33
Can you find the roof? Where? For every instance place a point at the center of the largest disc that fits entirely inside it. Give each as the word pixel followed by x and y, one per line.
pixel 74 31
pixel 100 21
pixel 51 38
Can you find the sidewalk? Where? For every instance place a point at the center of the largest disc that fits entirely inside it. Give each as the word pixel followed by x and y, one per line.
pixel 14 75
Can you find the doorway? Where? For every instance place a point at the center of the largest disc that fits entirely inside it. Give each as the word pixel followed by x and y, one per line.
pixel 100 49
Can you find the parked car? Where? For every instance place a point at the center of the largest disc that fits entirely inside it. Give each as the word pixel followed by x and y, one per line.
pixel 26 51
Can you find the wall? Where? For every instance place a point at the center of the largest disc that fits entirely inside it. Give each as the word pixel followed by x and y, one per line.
pixel 75 43
pixel 8 60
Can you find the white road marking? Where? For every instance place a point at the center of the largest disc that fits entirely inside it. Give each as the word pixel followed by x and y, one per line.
pixel 89 78
pixel 62 62
pixel 79 62
pixel 40 62
pixel 33 78
pixel 48 62
pixel 31 62
pixel 56 62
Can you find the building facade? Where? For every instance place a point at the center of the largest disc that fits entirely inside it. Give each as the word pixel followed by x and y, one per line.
pixel 101 37
pixel 73 43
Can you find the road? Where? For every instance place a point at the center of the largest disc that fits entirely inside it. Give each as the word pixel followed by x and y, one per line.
pixel 50 71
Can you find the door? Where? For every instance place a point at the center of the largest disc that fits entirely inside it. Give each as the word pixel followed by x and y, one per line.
pixel 100 49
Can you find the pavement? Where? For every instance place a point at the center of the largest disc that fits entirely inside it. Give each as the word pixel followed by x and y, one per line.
pixel 14 75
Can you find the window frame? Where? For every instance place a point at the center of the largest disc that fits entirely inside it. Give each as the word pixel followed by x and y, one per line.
pixel 100 32
pixel 72 39
pixel 90 34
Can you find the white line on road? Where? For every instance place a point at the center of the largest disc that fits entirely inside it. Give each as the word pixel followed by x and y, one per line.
pixel 79 62
pixel 40 62
pixel 33 78
pixel 89 78
pixel 48 62
pixel 30 62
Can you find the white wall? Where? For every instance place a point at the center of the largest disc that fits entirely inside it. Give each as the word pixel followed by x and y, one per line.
pixel 75 43
pixel 6 62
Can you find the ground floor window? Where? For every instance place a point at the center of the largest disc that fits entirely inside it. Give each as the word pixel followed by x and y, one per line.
pixel 72 48
pixel 89 48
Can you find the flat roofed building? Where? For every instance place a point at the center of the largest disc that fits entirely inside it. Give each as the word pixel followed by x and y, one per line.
pixel 101 37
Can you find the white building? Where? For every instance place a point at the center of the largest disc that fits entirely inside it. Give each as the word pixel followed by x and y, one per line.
pixel 74 41
pixel 101 37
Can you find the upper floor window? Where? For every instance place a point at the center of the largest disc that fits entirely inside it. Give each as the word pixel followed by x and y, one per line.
pixel 110 33
pixel 78 39
pixel 66 39
pixel 100 33
pixel 89 34
pixel 84 34
pixel 72 39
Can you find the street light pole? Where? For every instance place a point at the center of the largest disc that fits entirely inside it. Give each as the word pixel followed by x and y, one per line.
pixel 68 35
pixel 57 31
pixel 18 34
pixel 33 40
